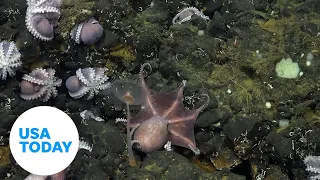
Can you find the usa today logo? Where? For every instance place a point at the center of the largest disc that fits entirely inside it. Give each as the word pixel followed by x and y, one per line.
pixel 44 140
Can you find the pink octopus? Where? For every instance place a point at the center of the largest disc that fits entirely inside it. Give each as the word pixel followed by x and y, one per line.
pixel 162 118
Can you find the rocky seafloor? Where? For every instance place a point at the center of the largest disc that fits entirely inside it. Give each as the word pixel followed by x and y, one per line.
pixel 232 57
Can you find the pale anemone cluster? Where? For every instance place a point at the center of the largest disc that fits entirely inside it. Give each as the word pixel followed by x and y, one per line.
pixel 41 17
pixel 40 84
pixel 87 82
pixel 9 59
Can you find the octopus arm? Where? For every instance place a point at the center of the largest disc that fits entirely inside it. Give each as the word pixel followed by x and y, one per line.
pixel 166 103
pixel 83 91
pixel 183 137
pixel 181 128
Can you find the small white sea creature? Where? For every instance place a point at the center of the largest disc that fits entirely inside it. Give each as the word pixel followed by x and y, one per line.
pixel 186 14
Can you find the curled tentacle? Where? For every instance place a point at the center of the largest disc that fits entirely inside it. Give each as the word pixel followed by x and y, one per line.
pixel 143 67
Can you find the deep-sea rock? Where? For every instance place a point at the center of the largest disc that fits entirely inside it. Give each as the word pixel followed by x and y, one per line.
pixel 208 119
pixel 281 143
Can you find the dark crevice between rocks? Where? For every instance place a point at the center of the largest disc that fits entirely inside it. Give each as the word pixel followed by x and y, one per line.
pixel 249 71
pixel 243 169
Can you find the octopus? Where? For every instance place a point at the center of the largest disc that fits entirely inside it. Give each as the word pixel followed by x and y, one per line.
pixel 87 32
pixel 162 118
pixel 41 17
pixel 87 82
pixel 39 84
pixel 58 176
pixel 186 14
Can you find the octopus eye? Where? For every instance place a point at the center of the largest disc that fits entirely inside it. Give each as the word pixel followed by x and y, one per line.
pixel 37 88
pixel 137 145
